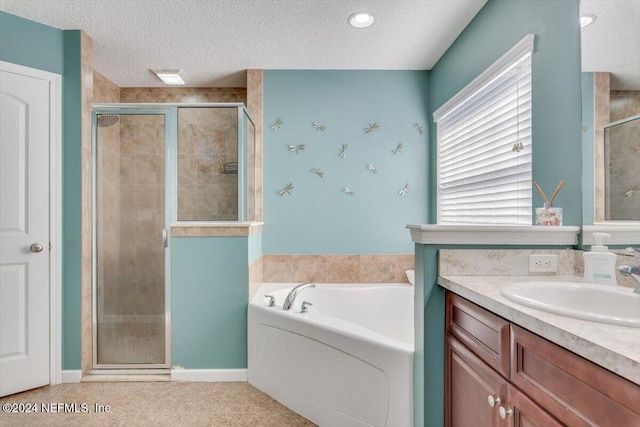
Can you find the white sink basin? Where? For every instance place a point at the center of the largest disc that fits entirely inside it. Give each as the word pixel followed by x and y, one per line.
pixel 599 303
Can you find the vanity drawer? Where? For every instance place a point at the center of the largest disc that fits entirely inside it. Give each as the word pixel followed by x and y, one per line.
pixel 484 333
pixel 577 392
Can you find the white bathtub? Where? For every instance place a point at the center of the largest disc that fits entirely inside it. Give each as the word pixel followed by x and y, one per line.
pixel 347 362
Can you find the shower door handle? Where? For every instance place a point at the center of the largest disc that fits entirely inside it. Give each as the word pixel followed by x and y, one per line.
pixel 165 239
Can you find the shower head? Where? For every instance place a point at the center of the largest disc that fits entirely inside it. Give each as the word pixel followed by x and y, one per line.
pixel 106 121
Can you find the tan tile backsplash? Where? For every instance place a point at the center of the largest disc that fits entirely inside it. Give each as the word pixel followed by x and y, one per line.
pixel 336 268
pixel 515 262
pixel 499 262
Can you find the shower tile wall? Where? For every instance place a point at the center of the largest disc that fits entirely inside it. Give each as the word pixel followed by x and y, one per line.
pixel 184 95
pixel 624 103
pixel 601 116
pixel 87 97
pixel 207 141
pixel 141 217
pixel 254 104
pixel 108 190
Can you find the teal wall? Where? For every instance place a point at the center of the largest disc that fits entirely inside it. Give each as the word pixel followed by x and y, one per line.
pixel 209 294
pixel 556 82
pixel 557 153
pixel 588 156
pixel 38 46
pixel 31 44
pixel 318 217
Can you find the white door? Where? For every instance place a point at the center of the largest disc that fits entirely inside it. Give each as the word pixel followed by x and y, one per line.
pixel 24 232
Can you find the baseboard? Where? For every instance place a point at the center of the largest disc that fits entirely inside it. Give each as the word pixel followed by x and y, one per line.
pixel 70 376
pixel 209 375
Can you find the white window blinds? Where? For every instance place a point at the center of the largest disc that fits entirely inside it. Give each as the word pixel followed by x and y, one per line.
pixel 484 145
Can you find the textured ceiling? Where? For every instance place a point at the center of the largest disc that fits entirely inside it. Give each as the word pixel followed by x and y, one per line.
pixel 214 41
pixel 612 42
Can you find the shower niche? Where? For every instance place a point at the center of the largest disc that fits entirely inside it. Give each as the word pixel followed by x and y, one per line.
pixel 155 165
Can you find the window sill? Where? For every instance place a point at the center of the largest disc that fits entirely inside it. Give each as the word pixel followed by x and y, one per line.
pixel 621 234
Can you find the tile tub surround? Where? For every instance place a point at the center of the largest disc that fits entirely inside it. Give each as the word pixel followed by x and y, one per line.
pixel 616 348
pixel 336 268
pixel 255 276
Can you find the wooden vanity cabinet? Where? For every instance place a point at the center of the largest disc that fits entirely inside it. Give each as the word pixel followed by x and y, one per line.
pixel 538 383
pixel 577 391
pixel 470 382
pixel 477 367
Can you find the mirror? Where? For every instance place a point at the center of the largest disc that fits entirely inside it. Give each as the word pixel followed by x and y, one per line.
pixel 611 110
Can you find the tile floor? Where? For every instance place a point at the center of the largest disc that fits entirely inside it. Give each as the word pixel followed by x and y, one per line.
pixel 154 404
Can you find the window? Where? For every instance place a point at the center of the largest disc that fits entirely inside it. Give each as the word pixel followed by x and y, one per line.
pixel 484 145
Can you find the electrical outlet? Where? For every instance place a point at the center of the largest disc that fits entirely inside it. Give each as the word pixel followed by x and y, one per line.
pixel 543 263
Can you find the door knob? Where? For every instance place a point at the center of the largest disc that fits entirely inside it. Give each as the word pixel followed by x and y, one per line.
pixel 36 248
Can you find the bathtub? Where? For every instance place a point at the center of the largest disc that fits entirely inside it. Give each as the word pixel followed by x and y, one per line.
pixel 347 362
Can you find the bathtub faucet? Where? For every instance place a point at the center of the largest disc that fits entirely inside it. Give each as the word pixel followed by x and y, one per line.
pixel 288 302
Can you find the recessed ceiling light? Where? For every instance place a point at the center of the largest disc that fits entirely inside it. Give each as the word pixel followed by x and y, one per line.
pixel 587 20
pixel 171 77
pixel 361 20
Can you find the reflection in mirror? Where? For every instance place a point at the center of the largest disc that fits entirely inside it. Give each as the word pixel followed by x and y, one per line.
pixel 611 98
pixel 622 169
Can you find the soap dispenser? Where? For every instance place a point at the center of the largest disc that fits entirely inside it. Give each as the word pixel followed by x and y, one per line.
pixel 599 263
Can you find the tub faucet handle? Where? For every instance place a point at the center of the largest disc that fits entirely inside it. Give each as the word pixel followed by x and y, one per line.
pixel 305 307
pixel 272 300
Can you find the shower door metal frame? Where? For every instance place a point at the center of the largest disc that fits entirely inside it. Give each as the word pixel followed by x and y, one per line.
pixel 605 168
pixel 170 151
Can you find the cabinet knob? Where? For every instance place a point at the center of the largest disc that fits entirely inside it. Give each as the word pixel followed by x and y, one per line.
pixel 505 412
pixel 493 400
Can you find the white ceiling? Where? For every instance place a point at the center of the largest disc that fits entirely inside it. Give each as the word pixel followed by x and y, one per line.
pixel 612 42
pixel 214 41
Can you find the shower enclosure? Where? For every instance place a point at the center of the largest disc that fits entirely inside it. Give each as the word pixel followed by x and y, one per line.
pixel 155 165
pixel 622 164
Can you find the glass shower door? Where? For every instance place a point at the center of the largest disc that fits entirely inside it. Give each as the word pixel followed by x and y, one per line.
pixel 129 240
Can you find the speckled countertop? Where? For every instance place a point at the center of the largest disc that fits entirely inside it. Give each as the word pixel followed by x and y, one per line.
pixel 616 348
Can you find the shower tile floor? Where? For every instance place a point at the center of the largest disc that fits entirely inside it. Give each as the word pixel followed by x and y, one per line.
pixel 155 404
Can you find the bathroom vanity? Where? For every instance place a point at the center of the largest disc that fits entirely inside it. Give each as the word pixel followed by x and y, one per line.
pixel 498 373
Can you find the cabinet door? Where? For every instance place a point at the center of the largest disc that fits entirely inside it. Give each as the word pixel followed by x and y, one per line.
pixel 484 333
pixel 468 384
pixel 576 391
pixel 520 411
